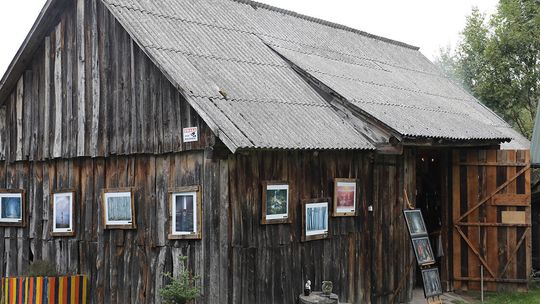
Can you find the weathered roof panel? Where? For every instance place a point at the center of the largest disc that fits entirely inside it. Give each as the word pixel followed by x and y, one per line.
pixel 232 47
pixel 251 96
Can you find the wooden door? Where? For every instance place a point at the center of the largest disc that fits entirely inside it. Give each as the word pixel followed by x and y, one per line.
pixel 491 195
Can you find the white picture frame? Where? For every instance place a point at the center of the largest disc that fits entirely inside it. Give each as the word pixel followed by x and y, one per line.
pixel 275 203
pixel 63 210
pixel 315 219
pixel 185 213
pixel 118 209
pixel 184 222
pixel 345 197
pixel 12 208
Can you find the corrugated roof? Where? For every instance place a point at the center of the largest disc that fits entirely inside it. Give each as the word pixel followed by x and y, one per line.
pixel 249 95
pixel 208 46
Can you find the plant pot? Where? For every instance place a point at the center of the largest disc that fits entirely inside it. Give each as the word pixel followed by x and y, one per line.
pixel 327 287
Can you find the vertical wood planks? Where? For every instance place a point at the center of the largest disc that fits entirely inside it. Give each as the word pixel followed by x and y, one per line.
pixel 81 77
pixel 47 98
pixel 95 80
pixel 491 217
pixel 58 93
pixel 491 181
pixel 3 138
pixel 90 91
pixel 19 99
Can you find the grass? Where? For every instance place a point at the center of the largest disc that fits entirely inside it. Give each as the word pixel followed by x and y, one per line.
pixel 530 297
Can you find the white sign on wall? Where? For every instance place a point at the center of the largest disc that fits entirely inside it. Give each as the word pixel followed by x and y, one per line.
pixel 191 134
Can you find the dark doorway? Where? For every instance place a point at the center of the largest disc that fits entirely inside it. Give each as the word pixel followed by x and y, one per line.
pixel 430 191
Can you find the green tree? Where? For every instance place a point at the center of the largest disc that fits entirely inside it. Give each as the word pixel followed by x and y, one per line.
pixel 498 60
pixel 181 289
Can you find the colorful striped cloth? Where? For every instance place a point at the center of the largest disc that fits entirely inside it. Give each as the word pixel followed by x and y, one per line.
pixel 45 290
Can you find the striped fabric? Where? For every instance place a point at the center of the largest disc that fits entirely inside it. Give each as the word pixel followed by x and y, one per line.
pixel 45 290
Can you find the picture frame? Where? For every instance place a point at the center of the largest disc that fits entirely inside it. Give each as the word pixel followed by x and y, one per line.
pixel 185 213
pixel 432 282
pixel 118 209
pixel 345 197
pixel 423 251
pixel 63 210
pixel 315 219
pixel 12 208
pixel 275 203
pixel 415 222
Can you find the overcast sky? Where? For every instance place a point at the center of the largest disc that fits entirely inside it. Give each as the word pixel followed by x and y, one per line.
pixel 429 24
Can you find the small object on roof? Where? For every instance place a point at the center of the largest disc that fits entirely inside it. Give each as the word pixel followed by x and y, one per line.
pixel 223 93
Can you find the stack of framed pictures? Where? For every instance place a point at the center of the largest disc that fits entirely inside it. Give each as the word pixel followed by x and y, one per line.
pixel 423 252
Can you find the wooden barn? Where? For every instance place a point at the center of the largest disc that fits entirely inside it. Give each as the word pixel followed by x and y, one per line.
pixel 266 146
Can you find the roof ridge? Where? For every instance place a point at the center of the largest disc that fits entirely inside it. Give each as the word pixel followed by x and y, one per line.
pixel 327 23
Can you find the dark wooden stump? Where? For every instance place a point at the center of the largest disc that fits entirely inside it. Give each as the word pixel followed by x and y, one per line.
pixel 319 298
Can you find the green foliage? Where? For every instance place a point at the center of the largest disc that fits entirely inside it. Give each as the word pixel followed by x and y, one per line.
pixel 498 60
pixel 180 289
pixel 42 269
pixel 531 297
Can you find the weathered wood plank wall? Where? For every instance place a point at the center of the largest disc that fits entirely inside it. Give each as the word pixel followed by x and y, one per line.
pixel 365 256
pixel 93 112
pixel 124 266
pixel 90 91
pixel 487 184
pixel 239 260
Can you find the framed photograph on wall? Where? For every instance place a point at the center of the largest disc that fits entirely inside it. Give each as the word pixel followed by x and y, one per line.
pixel 415 222
pixel 63 209
pixel 185 211
pixel 275 202
pixel 423 251
pixel 12 208
pixel 432 282
pixel 315 213
pixel 345 191
pixel 118 209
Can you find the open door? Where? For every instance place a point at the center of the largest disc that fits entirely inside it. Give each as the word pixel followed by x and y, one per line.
pixel 491 216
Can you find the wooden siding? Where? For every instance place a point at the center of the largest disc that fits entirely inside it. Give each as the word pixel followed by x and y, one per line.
pixel 122 266
pixel 486 185
pixel 91 91
pixel 366 256
pixel 238 259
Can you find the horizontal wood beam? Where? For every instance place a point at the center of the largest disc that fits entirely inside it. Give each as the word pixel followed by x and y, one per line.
pixel 501 164
pixel 491 224
pixel 498 280
pixel 510 180
pixel 522 200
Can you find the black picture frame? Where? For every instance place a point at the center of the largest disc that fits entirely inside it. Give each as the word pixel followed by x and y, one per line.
pixel 423 251
pixel 415 223
pixel 432 282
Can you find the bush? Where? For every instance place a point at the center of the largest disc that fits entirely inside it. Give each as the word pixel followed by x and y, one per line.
pixel 42 269
pixel 182 289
